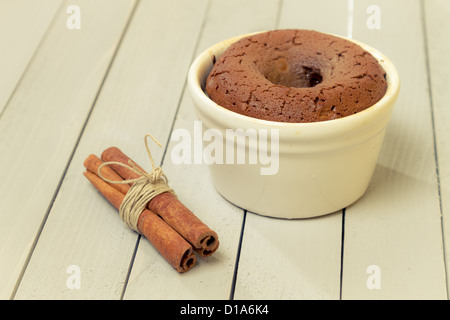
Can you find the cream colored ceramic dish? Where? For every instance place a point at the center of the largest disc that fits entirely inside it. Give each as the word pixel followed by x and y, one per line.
pixel 322 166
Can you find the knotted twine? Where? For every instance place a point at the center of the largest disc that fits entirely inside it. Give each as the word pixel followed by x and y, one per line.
pixel 142 190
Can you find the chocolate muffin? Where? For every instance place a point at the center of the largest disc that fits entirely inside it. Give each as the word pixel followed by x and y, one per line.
pixel 296 76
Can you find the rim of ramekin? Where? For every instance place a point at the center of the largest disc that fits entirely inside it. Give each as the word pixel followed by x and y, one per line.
pixel 362 119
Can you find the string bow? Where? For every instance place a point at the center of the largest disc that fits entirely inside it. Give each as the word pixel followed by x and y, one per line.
pixel 142 190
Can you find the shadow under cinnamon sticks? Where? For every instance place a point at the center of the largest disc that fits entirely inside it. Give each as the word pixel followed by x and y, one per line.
pixel 204 240
pixel 171 245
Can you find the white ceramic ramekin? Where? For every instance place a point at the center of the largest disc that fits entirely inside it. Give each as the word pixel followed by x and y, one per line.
pixel 323 166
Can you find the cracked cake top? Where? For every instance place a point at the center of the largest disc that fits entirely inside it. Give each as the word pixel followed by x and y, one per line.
pixel 296 76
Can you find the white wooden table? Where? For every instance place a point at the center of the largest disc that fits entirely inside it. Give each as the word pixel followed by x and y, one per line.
pixel 69 89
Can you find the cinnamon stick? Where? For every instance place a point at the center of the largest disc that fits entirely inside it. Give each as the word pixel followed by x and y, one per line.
pixel 174 248
pixel 204 240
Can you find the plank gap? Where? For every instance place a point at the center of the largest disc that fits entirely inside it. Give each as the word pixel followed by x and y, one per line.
pixel 133 257
pixel 280 10
pixel 194 53
pixel 341 275
pixel 30 62
pixel 433 125
pixel 238 256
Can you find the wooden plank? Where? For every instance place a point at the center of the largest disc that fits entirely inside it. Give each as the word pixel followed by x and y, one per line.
pixel 294 259
pixel 42 123
pixel 320 15
pixel 290 259
pixel 139 96
pixel 393 234
pixel 212 278
pixel 23 24
pixel 438 33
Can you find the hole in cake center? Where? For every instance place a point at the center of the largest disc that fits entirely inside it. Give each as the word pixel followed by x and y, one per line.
pixel 280 73
pixel 313 77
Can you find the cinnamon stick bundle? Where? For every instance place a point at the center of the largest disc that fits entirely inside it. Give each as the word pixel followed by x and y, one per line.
pixel 173 247
pixel 204 240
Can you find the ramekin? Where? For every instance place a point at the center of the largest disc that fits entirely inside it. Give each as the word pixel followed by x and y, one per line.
pixel 323 166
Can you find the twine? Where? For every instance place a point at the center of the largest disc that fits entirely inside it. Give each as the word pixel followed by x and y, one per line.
pixel 143 189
